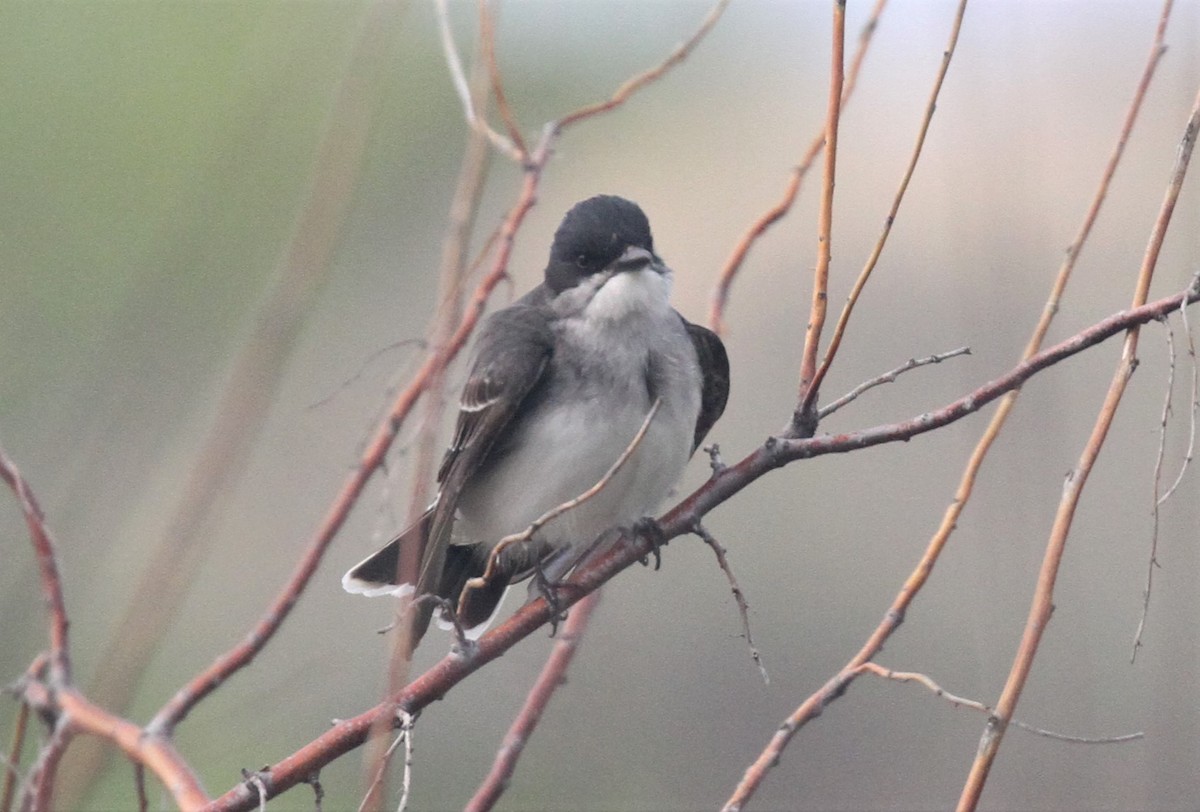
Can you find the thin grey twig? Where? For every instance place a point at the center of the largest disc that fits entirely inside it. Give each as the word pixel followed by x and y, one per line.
pixel 738 596
pixel 959 701
pixel 1194 405
pixel 889 377
pixel 1152 564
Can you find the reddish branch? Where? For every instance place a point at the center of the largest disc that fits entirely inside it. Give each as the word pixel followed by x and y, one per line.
pixel 43 547
pixel 804 421
pixel 839 330
pixel 775 453
pixel 729 271
pixel 553 674
pixel 916 580
pixel 1042 605
pixel 241 654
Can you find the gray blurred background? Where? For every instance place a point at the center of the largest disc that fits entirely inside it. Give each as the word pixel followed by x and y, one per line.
pixel 156 160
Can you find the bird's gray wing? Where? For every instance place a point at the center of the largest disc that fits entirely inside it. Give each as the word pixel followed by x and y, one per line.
pixel 714 370
pixel 511 356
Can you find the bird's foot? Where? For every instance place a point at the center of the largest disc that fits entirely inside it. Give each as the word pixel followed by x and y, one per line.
pixel 652 531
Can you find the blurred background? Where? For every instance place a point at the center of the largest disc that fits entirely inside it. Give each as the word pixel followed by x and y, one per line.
pixel 166 165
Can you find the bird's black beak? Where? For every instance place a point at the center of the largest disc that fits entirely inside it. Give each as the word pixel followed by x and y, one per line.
pixel 636 258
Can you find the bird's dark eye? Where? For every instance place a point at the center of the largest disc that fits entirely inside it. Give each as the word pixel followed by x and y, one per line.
pixel 583 261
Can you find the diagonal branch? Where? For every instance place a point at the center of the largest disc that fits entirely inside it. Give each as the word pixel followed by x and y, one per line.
pixel 775 453
pixel 729 271
pixel 837 684
pixel 1043 600
pixel 43 547
pixel 553 675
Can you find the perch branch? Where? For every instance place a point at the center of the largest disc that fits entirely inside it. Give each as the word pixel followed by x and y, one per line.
pixel 773 454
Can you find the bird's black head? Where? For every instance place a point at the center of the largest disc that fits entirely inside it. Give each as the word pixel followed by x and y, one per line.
pixel 592 236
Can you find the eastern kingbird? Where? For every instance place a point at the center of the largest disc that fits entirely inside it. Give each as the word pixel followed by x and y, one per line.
pixel 560 383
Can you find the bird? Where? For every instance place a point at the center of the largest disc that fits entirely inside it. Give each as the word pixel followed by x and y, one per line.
pixel 559 384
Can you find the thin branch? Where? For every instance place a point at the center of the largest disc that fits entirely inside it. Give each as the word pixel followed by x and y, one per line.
pixel 240 655
pixel 405 736
pixel 39 787
pixel 739 597
pixel 12 761
pixel 1159 501
pixel 1156 501
pixel 459 79
pixel 963 702
pixel 889 377
pixel 729 270
pixel 43 547
pixel 1193 405
pixel 139 786
pixel 836 685
pixel 1043 599
pixel 436 682
pixel 157 753
pixel 804 420
pixel 636 83
pixel 839 330
pixel 552 676
pixel 487 46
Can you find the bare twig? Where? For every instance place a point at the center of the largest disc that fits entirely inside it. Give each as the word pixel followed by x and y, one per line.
pixel 405 736
pixel 39 786
pixel 836 685
pixel 804 421
pixel 636 83
pixel 12 760
pixel 43 547
pixel 241 654
pixel 1043 599
pixel 889 377
pixel 731 480
pixel 1194 404
pixel 839 330
pixel 139 786
pixel 739 597
pixel 729 270
pixel 487 47
pixel 475 120
pixel 1156 500
pixel 552 676
pixel 963 702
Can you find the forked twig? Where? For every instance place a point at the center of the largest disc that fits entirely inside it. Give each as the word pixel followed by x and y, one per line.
pixel 407 722
pixel 463 88
pixel 632 85
pixel 1042 604
pixel 812 392
pixel 803 422
pixel 738 596
pixel 729 270
pixel 836 685
pixel 963 702
pixel 889 377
